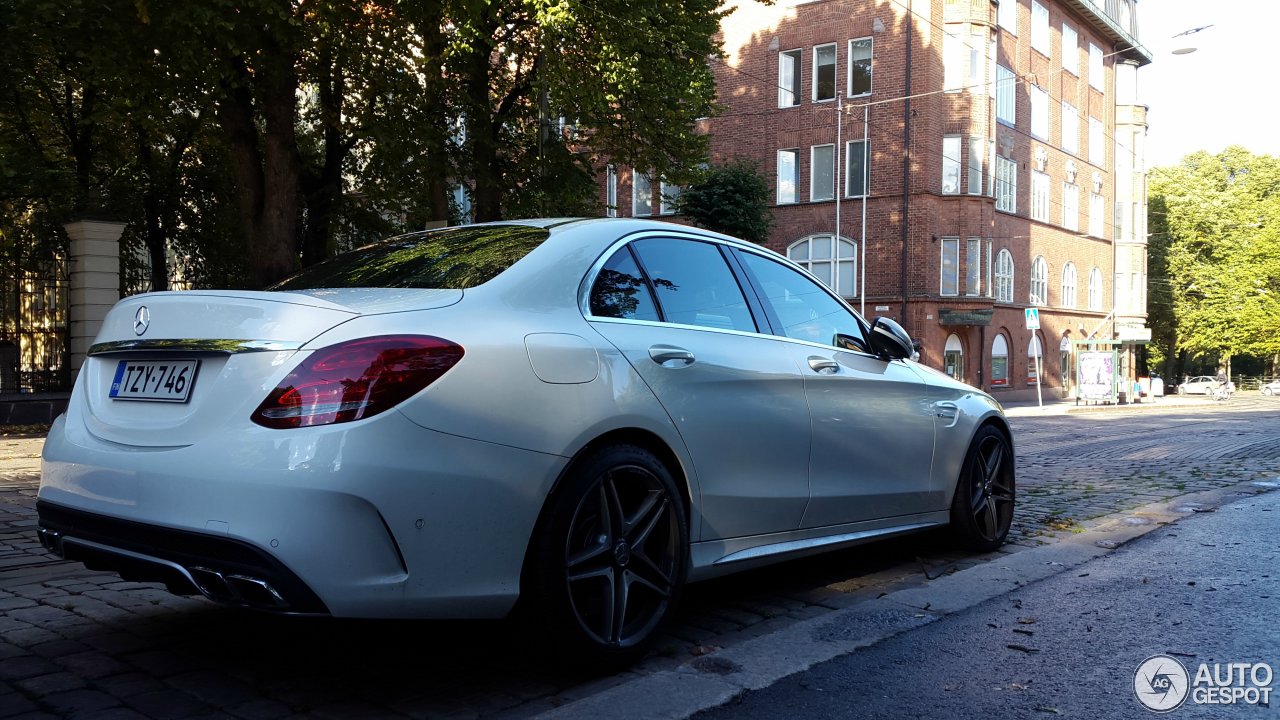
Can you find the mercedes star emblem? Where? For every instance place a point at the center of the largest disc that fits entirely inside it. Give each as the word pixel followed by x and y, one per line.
pixel 141 320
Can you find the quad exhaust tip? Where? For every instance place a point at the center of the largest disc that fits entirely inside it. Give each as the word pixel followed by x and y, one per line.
pixel 236 588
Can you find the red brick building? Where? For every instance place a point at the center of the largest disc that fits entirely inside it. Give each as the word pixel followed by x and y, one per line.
pixel 1002 146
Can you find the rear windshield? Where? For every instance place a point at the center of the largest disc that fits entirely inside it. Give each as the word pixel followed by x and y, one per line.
pixel 451 258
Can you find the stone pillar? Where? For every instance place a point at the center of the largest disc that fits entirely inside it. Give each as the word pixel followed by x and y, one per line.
pixel 95 281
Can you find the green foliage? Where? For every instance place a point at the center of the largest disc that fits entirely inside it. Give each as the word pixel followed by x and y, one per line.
pixel 732 199
pixel 1215 255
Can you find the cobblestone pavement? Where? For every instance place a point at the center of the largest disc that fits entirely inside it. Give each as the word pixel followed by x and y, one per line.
pixel 76 643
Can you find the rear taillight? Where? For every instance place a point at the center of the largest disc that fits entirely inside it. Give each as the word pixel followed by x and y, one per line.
pixel 356 379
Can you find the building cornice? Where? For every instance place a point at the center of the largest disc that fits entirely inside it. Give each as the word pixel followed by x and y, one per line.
pixel 1122 41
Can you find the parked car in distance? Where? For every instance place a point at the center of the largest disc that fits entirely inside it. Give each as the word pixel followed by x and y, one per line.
pixel 579 416
pixel 1271 388
pixel 1202 385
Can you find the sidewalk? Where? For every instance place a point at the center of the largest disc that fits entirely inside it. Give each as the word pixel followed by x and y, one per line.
pixel 1061 406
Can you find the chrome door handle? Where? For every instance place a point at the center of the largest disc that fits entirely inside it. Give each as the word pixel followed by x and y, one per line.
pixel 670 356
pixel 823 365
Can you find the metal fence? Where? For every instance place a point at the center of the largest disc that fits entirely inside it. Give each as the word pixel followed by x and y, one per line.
pixel 34 326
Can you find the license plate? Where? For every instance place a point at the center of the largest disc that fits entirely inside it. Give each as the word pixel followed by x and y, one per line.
pixel 154 380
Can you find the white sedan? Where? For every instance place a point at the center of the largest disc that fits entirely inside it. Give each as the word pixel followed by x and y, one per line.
pixel 1202 385
pixel 577 415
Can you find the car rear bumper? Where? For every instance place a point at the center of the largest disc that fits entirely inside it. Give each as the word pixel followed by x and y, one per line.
pixel 380 518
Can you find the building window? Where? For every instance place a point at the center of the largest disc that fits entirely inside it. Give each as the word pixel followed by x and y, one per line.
pixel 859 67
pixel 977 149
pixel 789 64
pixel 833 261
pixel 1000 361
pixel 1034 353
pixel 1070 128
pixel 973 267
pixel 822 174
pixel 855 168
pixel 951 165
pixel 1006 103
pixel 1039 196
pixel 788 176
pixel 1006 185
pixel 1070 50
pixel 1007 15
pixel 987 287
pixel 1095 289
pixel 1097 79
pixel 1097 218
pixel 641 194
pixel 1039 281
pixel 462 203
pixel 1097 150
pixel 950 267
pixel 1039 112
pixel 977 43
pixel 610 191
pixel 1071 206
pixel 1004 277
pixel 991 168
pixel 1069 285
pixel 824 72
pixel 668 194
pixel 953 358
pixel 1040 28
pixel 953 57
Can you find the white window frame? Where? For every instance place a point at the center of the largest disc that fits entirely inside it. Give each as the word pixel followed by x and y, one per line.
pixel 1070 50
pixel 843 253
pixel 1040 28
pixel 1006 95
pixel 1007 16
pixel 949 267
pixel 667 194
pixel 864 181
pixel 835 68
pixel 641 180
pixel 1004 276
pixel 611 191
pixel 1006 189
pixel 951 164
pixel 1038 293
pixel 1095 289
pixel 1097 145
pixel 813 173
pixel 869 61
pixel 1071 206
pixel 1039 112
pixel 1070 128
pixel 1069 285
pixel 1097 69
pixel 1040 198
pixel 1097 215
pixel 789 78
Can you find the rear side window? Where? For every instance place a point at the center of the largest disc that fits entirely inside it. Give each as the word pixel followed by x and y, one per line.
pixel 694 284
pixel 451 258
pixel 621 292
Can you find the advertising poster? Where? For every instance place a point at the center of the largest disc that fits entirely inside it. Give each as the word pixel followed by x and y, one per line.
pixel 1096 375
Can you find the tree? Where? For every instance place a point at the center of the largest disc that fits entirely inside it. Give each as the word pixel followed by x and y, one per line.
pixel 732 199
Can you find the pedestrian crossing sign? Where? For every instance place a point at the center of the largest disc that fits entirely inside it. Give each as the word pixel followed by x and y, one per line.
pixel 1033 318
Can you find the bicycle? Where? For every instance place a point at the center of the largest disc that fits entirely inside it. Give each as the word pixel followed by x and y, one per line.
pixel 1222 392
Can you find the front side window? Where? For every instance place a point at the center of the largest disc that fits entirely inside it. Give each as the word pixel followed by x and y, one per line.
pixel 1095 289
pixel 788 176
pixel 950 273
pixel 694 285
pixel 822 175
pixel 620 290
pixel 1000 361
pixel 860 67
pixel 1004 277
pixel 1040 28
pixel 1069 285
pixel 832 260
pixel 1006 185
pixel 789 65
pixel 1006 95
pixel 1039 281
pixel 804 309
pixel 951 165
pixel 1039 196
pixel 855 173
pixel 641 194
pixel 1039 112
pixel 824 72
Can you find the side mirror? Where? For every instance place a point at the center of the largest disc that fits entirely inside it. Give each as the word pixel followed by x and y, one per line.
pixel 889 341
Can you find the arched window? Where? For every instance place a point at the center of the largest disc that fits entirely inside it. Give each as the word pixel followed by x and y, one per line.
pixel 1035 351
pixel 953 358
pixel 1000 361
pixel 1064 359
pixel 1004 276
pixel 1095 289
pixel 832 260
pixel 1039 281
pixel 1069 285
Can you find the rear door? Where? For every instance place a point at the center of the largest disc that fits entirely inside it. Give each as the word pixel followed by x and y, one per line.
pixel 735 395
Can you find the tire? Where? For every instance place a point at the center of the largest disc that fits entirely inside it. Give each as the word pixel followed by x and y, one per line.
pixel 609 560
pixel 982 508
pixel 1266 391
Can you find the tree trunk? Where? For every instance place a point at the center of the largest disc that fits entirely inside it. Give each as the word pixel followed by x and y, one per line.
pixel 324 189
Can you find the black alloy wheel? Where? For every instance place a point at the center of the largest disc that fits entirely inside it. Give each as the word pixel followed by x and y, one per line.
pixel 982 510
pixel 612 557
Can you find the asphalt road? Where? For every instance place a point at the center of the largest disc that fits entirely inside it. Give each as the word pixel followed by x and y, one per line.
pixel 1206 590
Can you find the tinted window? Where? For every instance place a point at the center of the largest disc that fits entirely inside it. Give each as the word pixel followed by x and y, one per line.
pixel 694 285
pixel 452 258
pixel 806 311
pixel 620 290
